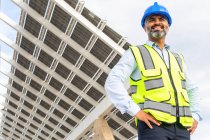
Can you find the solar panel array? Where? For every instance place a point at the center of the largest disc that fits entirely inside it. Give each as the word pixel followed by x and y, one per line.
pixel 59 68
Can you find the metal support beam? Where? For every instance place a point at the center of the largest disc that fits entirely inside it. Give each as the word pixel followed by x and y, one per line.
pixel 102 130
pixel 89 120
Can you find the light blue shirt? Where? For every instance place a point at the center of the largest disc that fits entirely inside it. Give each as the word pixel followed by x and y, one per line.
pixel 117 83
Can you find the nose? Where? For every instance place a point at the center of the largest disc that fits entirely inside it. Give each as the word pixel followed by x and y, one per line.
pixel 157 22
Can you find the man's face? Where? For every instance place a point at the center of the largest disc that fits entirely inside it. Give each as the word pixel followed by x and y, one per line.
pixel 156 26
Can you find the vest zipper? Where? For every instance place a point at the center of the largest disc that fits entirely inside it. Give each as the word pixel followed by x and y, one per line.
pixel 175 94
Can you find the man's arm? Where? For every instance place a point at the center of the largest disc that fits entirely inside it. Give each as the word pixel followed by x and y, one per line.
pixel 115 84
pixel 194 98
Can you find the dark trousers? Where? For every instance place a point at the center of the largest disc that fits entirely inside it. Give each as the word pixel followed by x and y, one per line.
pixel 163 132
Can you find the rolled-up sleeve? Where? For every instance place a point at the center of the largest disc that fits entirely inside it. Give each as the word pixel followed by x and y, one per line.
pixel 115 84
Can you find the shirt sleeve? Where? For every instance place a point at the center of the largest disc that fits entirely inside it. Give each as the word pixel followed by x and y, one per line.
pixel 115 84
pixel 193 94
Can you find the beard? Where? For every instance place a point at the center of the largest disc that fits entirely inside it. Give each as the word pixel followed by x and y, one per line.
pixel 156 33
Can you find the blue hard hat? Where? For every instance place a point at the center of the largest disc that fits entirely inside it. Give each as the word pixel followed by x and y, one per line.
pixel 156 9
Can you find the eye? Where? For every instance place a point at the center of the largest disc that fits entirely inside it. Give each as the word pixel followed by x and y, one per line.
pixel 151 19
pixel 162 19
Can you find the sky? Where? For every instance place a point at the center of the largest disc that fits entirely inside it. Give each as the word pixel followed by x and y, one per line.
pixel 188 35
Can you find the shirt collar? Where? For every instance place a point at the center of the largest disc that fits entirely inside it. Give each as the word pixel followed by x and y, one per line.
pixel 153 44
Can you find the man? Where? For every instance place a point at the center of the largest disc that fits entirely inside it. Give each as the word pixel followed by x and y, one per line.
pixel 161 97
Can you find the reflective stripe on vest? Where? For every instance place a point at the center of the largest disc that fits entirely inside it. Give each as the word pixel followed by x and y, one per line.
pixel 167 108
pixel 183 84
pixel 146 58
pixel 132 89
pixel 153 84
pixel 149 85
pixel 179 60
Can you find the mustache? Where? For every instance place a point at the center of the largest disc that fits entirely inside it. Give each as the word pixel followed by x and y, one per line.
pixel 161 26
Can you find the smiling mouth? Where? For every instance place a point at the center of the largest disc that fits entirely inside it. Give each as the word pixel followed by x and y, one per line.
pixel 157 28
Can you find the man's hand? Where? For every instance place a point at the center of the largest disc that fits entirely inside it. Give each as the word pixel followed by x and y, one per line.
pixel 141 115
pixel 193 127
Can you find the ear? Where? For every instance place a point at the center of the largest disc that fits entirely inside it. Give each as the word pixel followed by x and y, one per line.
pixel 144 28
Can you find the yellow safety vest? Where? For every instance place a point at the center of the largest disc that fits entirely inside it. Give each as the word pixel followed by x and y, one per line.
pixel 161 91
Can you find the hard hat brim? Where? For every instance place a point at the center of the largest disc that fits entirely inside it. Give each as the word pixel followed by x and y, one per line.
pixel 168 17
